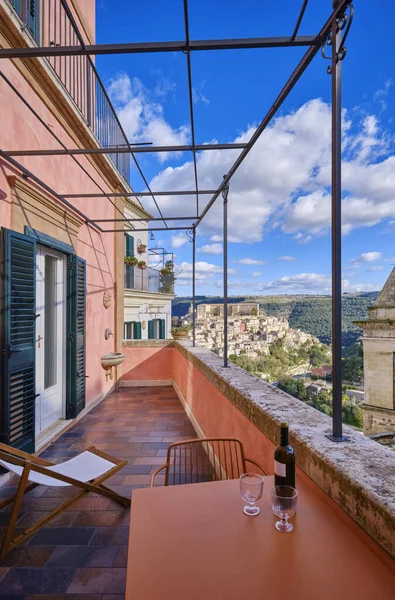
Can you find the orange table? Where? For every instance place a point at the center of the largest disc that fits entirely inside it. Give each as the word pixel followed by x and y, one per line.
pixel 193 542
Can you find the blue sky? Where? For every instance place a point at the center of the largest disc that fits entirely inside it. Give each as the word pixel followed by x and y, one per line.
pixel 279 201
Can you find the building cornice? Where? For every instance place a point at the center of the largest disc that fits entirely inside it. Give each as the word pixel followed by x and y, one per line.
pixel 370 324
pixel 148 295
pixel 137 209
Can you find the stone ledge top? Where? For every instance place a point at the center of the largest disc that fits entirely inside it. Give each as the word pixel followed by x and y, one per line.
pixel 358 474
pixel 147 343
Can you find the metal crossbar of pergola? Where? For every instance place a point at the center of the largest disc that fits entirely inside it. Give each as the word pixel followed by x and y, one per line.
pixel 331 38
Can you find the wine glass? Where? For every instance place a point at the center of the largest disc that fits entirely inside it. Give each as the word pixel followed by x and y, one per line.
pixel 284 500
pixel 251 489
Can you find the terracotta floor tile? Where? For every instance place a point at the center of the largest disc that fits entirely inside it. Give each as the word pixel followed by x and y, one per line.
pixel 149 460
pixel 81 555
pixel 121 557
pixel 137 480
pixel 27 556
pixel 100 518
pixel 64 536
pixel 109 536
pixel 36 581
pixel 30 518
pixel 98 581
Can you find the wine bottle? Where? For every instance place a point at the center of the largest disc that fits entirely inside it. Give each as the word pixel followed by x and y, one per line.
pixel 284 460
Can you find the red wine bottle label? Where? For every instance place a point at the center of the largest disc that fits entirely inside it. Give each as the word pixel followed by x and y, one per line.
pixel 280 469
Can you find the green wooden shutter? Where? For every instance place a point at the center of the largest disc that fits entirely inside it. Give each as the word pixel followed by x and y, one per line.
pixel 151 325
pixel 129 270
pixel 76 316
pixel 129 250
pixel 137 330
pixel 81 336
pixel 162 329
pixel 33 18
pixel 18 340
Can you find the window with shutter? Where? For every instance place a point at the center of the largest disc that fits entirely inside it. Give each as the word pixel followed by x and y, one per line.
pixel 128 330
pixel 18 336
pixel 129 270
pixel 137 330
pixel 151 330
pixel 162 329
pixel 76 314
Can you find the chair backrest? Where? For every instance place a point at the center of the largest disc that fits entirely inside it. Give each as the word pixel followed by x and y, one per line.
pixel 208 459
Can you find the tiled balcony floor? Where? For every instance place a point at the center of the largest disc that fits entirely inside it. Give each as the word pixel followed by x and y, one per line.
pixel 82 552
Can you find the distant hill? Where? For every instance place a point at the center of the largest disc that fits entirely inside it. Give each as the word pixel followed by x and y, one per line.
pixel 312 314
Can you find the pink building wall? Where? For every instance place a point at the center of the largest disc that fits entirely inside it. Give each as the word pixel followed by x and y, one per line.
pixel 21 130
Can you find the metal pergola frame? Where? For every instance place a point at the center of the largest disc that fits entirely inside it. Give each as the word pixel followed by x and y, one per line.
pixel 332 35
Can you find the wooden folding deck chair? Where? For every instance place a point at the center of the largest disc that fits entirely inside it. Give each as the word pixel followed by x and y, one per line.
pixel 86 471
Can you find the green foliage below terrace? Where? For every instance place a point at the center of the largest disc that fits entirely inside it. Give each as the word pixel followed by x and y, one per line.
pixel 281 361
pixel 351 412
pixel 312 314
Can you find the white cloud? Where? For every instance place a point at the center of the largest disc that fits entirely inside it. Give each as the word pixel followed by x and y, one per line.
pixel 307 283
pixel 198 94
pixel 205 273
pixel 381 94
pixel 211 249
pixel 142 117
pixel 286 258
pixel 164 87
pixel 256 274
pixel 249 261
pixel 178 240
pixel 285 181
pixel 367 257
pixel 390 260
pixel 375 268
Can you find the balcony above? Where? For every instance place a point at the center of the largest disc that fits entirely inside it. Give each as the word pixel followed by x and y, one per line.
pixel 148 280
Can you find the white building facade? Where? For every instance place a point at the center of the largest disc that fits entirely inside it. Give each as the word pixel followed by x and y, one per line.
pixel 148 294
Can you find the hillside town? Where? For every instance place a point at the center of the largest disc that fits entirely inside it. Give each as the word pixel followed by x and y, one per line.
pixel 250 332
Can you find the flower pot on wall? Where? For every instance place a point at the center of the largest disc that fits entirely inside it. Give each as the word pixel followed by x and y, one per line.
pixel 179 334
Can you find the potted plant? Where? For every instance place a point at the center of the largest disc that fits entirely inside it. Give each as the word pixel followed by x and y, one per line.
pixel 167 279
pixel 141 248
pixel 131 261
pixel 142 264
pixel 180 333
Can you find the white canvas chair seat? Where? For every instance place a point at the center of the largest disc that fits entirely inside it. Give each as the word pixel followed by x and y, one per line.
pixel 84 467
pixel 87 471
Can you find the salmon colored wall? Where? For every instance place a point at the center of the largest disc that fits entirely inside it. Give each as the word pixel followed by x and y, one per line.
pixel 216 415
pixel 148 364
pixel 21 130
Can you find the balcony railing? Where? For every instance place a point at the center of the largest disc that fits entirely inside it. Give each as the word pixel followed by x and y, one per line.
pixel 148 280
pixel 49 25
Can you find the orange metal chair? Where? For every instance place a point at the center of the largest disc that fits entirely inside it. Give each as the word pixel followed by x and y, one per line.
pixel 207 459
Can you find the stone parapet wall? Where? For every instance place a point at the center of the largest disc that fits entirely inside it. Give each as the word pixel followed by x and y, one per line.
pixel 359 475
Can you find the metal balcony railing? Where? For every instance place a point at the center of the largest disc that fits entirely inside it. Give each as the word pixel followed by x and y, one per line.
pixel 148 280
pixel 50 25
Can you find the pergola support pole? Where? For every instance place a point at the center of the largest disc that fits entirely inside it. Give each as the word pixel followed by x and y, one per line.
pixel 225 192
pixel 194 287
pixel 336 76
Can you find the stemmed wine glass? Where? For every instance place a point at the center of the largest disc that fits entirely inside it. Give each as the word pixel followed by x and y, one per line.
pixel 284 500
pixel 251 489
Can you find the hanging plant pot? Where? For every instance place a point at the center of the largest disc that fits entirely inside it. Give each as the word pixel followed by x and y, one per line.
pixel 141 248
pixel 131 261
pixel 142 265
